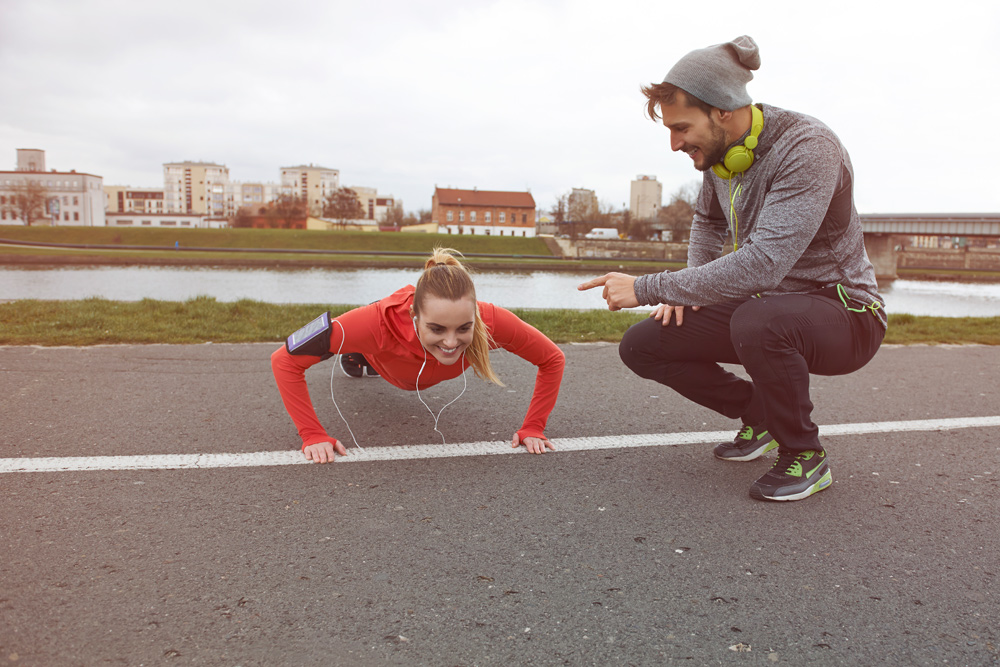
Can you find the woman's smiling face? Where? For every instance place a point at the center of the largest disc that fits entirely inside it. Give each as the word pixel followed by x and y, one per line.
pixel 444 327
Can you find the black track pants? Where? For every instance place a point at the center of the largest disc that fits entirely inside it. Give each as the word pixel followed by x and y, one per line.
pixel 779 340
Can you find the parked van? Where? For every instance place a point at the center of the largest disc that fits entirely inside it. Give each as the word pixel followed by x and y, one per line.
pixel 604 233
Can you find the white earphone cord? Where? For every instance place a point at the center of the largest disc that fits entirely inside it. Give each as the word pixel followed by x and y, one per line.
pixel 336 362
pixel 465 384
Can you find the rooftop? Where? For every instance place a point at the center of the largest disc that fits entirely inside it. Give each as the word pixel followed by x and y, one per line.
pixel 452 197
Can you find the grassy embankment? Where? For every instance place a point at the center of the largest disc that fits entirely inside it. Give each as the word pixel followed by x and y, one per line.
pixel 201 320
pixel 281 245
pixel 99 321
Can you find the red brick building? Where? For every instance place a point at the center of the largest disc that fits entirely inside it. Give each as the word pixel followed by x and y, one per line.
pixel 483 212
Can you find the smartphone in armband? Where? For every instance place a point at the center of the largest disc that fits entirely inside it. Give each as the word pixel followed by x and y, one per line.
pixel 312 339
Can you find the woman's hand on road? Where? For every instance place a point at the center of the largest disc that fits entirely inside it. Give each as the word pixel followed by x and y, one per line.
pixel 532 444
pixel 322 452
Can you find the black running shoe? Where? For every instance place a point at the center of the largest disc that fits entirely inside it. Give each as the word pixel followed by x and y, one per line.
pixel 355 365
pixel 794 476
pixel 750 443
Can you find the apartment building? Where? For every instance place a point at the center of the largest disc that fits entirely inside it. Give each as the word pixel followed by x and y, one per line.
pixel 252 196
pixel 582 205
pixel 49 197
pixel 375 207
pixel 196 187
pixel 489 212
pixel 645 198
pixel 312 183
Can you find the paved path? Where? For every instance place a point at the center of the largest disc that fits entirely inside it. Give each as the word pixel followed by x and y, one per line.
pixel 615 550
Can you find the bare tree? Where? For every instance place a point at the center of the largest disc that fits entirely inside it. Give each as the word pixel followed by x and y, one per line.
pixel 343 205
pixel 676 216
pixel 584 207
pixel 559 210
pixel 283 211
pixel 27 200
pixel 394 216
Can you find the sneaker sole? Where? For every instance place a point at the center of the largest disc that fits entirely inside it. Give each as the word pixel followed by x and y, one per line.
pixel 755 454
pixel 823 482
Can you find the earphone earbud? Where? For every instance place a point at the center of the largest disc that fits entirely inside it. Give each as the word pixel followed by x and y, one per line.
pixel 740 158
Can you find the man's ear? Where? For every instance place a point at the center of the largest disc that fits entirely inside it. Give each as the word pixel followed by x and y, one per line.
pixel 720 116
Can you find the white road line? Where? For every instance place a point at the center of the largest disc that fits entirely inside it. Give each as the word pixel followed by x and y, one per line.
pixel 484 448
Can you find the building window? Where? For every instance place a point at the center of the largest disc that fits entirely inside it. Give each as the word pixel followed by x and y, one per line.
pixel 503 217
pixel 472 216
pixel 461 216
pixel 76 216
pixel 489 217
pixel 524 217
pixel 65 216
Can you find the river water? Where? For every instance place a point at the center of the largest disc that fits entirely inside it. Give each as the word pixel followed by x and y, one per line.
pixel 537 289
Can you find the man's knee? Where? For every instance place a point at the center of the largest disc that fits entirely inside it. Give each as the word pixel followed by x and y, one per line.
pixel 753 322
pixel 635 348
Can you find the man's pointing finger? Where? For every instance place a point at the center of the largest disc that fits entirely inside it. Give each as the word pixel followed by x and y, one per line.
pixel 593 282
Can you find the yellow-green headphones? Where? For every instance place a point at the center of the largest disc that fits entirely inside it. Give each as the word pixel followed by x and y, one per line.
pixel 739 158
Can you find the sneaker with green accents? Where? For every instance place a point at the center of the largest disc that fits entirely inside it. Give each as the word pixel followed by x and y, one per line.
pixel 750 443
pixel 794 476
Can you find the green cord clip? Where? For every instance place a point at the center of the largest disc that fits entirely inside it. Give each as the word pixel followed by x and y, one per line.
pixel 842 293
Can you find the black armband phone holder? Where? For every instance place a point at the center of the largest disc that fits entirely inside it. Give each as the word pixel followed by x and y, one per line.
pixel 312 339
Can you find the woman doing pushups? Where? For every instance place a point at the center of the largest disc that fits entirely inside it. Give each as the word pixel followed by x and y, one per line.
pixel 415 338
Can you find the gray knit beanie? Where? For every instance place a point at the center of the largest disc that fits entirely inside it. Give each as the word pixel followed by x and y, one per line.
pixel 718 74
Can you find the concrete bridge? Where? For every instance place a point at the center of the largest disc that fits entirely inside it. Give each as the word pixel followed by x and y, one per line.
pixel 881 228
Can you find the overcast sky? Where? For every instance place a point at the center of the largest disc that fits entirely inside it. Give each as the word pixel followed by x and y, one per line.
pixel 404 95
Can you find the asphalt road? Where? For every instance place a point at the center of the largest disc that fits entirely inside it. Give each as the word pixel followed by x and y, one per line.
pixel 622 556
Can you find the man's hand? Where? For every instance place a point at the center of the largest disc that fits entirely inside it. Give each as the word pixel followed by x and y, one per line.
pixel 663 312
pixel 532 444
pixel 322 452
pixel 619 290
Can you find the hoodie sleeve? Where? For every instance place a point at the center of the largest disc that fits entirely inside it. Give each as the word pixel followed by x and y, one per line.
pixel 517 336
pixel 794 208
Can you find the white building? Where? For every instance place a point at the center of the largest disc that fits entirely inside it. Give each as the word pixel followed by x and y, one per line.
pixel 646 198
pixel 311 183
pixel 195 187
pixel 169 220
pixel 252 196
pixel 62 197
pixel 375 207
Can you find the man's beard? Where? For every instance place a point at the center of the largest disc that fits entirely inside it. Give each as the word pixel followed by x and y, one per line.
pixel 716 151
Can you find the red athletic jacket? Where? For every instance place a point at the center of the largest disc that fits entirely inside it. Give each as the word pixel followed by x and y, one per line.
pixel 383 332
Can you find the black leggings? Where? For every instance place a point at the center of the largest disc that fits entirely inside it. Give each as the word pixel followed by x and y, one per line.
pixel 779 340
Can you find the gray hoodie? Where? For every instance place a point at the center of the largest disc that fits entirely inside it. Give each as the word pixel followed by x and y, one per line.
pixel 796 226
